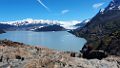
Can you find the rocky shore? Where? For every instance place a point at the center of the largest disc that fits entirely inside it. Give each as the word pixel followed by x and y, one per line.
pixel 19 55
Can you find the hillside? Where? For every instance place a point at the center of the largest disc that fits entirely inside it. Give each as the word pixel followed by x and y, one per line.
pixel 50 28
pixel 103 31
pixel 19 55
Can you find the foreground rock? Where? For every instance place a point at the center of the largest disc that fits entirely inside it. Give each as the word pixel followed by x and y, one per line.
pixel 19 55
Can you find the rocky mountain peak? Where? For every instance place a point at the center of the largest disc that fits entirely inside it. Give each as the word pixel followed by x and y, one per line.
pixel 116 1
pixel 114 5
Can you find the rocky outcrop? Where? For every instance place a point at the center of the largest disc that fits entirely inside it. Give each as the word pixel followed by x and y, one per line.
pixel 19 55
pixel 1 31
pixel 95 54
pixel 103 31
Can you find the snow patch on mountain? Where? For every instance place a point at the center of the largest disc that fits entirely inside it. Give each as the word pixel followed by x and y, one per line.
pixel 28 21
pixel 114 5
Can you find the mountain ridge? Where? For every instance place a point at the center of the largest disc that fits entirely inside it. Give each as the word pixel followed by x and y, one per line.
pixel 102 32
pixel 34 23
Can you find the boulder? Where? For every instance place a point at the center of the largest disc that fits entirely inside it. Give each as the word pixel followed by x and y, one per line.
pixel 96 54
pixel 75 54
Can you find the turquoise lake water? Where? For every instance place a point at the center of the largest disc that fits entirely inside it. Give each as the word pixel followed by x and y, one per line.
pixel 60 40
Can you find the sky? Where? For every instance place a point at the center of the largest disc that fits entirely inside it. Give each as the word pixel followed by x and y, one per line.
pixel 64 10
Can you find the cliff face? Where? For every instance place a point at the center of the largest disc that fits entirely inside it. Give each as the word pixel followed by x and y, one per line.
pixel 103 31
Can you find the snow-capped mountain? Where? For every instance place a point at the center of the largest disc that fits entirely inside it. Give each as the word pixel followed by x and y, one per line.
pixel 30 21
pixel 32 24
pixel 113 5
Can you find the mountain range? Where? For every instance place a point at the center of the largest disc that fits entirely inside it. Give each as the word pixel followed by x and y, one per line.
pixel 102 32
pixel 33 24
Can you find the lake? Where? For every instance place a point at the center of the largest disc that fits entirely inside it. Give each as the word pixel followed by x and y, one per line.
pixel 60 40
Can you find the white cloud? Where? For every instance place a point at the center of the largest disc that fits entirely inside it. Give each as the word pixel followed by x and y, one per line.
pixel 64 11
pixel 43 5
pixel 97 5
pixel 69 24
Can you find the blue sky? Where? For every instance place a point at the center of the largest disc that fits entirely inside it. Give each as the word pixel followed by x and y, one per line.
pixel 50 9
